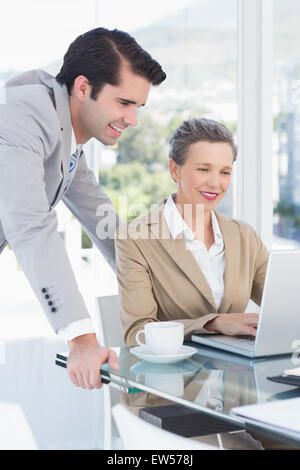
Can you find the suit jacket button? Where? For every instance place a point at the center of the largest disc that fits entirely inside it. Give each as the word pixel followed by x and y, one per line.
pixel 50 302
pixel 53 309
pixel 47 296
pixel 44 290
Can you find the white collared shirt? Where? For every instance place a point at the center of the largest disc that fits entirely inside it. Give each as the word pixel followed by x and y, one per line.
pixel 212 261
pixel 79 327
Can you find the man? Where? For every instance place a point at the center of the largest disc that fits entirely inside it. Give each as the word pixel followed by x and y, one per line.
pixel 44 121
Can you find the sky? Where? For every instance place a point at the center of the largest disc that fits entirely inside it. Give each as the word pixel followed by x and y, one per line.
pixel 34 33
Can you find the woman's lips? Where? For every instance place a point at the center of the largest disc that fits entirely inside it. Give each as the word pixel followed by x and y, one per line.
pixel 209 196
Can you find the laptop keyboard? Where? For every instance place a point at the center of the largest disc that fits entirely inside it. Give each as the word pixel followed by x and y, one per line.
pixel 246 342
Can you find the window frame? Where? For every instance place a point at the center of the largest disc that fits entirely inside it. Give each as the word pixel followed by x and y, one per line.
pixel 254 202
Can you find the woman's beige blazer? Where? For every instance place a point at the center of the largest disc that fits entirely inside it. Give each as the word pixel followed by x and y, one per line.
pixel 160 280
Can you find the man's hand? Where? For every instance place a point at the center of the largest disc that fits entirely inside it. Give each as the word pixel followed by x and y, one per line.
pixel 234 324
pixel 85 359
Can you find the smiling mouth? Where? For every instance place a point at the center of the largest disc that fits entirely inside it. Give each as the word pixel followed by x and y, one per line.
pixel 209 196
pixel 116 131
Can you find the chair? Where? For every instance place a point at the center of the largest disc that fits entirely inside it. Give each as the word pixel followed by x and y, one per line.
pixel 110 336
pixel 137 434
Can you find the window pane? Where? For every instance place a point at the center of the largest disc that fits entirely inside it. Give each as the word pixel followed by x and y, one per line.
pixel 35 34
pixel 286 124
pixel 195 42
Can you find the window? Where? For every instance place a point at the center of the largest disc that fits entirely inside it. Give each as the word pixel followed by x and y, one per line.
pixel 196 43
pixel 286 137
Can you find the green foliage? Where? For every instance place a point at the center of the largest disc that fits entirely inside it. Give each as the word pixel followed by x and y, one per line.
pixel 297 222
pixel 131 187
pixel 85 240
pixel 146 143
pixel 232 126
pixel 284 209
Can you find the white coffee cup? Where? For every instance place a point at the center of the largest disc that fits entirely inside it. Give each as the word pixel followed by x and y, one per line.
pixel 162 338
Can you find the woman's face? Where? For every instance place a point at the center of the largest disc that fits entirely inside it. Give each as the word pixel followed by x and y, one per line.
pixel 205 176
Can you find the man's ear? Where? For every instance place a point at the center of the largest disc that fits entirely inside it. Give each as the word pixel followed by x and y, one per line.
pixel 81 88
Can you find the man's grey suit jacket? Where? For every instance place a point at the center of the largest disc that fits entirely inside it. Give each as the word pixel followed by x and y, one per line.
pixel 35 150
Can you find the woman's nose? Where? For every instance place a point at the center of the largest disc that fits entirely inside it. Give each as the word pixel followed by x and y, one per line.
pixel 213 180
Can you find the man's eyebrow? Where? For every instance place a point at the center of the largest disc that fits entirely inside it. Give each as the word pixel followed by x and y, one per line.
pixel 125 100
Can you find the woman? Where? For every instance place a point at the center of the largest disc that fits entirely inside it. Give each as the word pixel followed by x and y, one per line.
pixel 185 261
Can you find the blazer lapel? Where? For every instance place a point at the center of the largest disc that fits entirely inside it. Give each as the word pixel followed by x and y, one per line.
pixel 63 111
pixel 230 233
pixel 178 252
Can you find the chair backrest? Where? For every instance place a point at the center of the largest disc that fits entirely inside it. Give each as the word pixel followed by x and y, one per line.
pixel 109 321
pixel 137 434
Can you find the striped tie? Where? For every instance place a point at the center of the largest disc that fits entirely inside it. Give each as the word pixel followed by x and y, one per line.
pixel 73 164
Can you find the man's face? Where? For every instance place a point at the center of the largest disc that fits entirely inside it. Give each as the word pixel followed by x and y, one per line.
pixel 114 109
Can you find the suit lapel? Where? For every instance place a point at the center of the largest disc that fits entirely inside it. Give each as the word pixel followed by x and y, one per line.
pixel 63 111
pixel 177 251
pixel 187 263
pixel 230 233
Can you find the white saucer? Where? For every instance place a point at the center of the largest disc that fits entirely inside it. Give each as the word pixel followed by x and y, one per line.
pixel 142 352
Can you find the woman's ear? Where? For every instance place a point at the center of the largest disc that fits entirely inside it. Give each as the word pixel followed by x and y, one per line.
pixel 173 167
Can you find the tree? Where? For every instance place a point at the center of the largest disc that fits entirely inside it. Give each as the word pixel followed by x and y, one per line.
pixel 132 188
pixel 285 211
pixel 146 143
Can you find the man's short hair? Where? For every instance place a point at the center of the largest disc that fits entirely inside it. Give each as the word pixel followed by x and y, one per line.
pixel 98 55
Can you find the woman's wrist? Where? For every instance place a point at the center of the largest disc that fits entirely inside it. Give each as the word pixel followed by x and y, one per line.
pixel 212 325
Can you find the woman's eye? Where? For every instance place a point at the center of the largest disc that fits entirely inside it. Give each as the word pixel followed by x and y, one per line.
pixel 202 169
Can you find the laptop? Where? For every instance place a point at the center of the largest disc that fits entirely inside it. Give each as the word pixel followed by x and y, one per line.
pixel 278 326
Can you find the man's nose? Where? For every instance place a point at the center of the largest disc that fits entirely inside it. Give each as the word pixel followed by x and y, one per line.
pixel 131 117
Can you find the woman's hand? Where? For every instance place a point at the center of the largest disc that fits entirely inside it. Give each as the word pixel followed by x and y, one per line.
pixel 234 324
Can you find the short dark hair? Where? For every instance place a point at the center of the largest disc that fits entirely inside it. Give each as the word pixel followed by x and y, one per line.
pixel 195 130
pixel 98 54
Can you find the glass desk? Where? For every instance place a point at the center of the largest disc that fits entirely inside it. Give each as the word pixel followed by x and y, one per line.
pixel 211 381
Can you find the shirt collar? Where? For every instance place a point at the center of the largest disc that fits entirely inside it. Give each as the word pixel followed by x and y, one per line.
pixel 74 146
pixel 178 226
pixel 175 222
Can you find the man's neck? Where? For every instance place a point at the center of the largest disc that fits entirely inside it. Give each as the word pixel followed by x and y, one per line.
pixel 80 137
